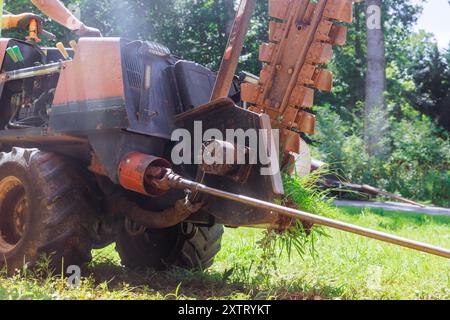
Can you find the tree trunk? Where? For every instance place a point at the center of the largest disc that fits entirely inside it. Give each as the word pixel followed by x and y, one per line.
pixel 229 16
pixel 375 108
pixel 359 94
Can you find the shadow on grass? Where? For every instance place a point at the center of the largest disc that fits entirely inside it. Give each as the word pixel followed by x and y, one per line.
pixel 183 284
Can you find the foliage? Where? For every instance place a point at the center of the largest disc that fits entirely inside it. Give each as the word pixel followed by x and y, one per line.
pixel 431 75
pixel 415 160
pixel 348 267
pixel 302 194
pixel 417 167
pixel 417 79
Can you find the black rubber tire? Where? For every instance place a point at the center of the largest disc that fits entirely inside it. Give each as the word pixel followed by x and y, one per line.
pixel 185 245
pixel 57 215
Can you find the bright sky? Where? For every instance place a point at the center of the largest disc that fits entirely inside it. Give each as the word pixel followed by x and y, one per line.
pixel 436 19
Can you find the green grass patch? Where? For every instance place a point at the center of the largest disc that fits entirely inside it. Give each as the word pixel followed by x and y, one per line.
pixel 345 266
pixel 259 264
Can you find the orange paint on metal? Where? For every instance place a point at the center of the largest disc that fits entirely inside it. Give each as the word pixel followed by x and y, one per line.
pixel 95 73
pixel 134 170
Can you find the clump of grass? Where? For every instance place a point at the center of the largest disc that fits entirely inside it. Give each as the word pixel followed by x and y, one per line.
pixel 301 193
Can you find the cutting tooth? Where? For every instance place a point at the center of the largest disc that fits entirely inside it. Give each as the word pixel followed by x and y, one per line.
pixel 279 9
pixel 338 35
pixel 276 31
pixel 266 51
pixel 306 122
pixel 323 80
pixel 302 97
pixel 331 33
pixel 340 10
pixel 324 30
pixel 306 74
pixel 320 53
pixel 289 116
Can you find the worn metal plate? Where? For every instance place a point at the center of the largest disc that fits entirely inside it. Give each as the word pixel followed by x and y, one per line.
pixel 223 114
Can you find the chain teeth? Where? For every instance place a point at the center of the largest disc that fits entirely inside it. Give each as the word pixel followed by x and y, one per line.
pixel 339 10
pixel 320 53
pixel 338 35
pixel 299 42
pixel 323 80
pixel 302 96
pixel 276 31
pixel 266 51
pixel 279 9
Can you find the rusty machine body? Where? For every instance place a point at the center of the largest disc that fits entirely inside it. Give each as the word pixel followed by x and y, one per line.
pixel 107 108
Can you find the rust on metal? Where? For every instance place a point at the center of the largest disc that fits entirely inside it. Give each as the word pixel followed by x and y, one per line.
pixel 233 50
pixel 158 219
pixel 298 45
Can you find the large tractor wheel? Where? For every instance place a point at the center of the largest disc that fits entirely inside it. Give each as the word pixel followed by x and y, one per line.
pixel 185 245
pixel 43 206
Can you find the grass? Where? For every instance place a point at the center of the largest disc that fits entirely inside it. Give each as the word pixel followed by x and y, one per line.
pixel 344 266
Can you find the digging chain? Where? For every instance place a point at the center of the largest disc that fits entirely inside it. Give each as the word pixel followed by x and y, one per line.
pixel 301 37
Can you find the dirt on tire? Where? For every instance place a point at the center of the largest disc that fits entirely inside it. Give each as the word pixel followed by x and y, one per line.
pixel 57 215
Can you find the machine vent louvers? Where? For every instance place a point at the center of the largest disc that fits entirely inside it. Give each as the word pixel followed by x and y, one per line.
pixel 157 49
pixel 133 65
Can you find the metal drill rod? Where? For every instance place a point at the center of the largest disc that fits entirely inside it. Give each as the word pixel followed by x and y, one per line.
pixel 178 182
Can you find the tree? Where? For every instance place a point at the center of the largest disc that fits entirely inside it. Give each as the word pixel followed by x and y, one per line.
pixel 375 107
pixel 431 75
pixel 229 16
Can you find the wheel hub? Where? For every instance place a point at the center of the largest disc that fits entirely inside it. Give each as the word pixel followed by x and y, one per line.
pixel 13 213
pixel 19 215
